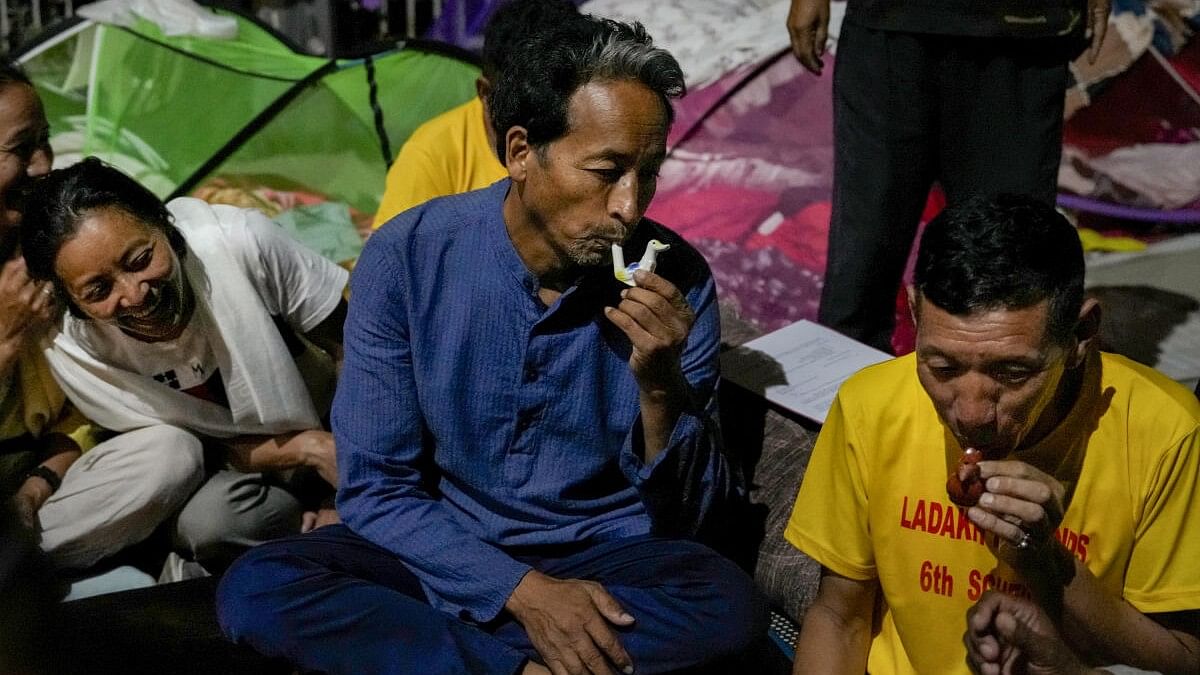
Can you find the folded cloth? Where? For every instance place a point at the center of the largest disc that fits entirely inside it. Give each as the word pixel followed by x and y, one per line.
pixel 173 17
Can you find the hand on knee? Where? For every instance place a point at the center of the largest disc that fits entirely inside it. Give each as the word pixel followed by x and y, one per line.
pixel 570 623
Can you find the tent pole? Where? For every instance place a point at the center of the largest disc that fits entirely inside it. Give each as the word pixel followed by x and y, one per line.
pixel 1183 84
pixel 385 145
pixel 54 40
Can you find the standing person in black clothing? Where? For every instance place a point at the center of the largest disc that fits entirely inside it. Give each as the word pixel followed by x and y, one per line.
pixel 969 94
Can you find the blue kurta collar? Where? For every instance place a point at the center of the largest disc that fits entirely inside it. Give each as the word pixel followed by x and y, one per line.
pixel 508 258
pixel 501 243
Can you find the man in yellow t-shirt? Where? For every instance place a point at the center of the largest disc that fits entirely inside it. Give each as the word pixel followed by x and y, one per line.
pixel 1090 507
pixel 456 151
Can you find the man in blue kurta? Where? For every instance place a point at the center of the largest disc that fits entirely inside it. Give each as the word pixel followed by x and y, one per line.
pixel 526 445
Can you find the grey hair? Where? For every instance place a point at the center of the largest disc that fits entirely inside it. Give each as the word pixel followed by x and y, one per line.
pixel 535 86
pixel 617 57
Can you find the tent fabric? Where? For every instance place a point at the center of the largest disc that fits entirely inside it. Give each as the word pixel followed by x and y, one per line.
pixel 748 183
pixel 241 119
pixel 1127 147
pixel 748 178
pixel 749 174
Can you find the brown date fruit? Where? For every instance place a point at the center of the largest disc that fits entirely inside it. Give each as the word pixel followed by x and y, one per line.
pixel 964 484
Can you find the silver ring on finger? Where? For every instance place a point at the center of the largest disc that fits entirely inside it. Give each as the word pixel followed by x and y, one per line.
pixel 1025 543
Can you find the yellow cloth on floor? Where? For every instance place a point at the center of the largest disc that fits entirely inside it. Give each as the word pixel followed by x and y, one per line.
pixel 1094 241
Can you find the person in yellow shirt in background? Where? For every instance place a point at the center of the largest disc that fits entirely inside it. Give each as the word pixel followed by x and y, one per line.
pixel 456 151
pixel 1086 528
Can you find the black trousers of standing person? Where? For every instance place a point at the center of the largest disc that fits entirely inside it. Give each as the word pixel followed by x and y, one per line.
pixel 978 115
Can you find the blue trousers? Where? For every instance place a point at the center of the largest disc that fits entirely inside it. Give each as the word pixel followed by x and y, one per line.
pixel 332 601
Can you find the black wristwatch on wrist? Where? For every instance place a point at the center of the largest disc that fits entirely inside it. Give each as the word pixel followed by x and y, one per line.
pixel 48 475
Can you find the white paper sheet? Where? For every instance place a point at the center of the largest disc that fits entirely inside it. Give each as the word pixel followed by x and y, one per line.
pixel 799 367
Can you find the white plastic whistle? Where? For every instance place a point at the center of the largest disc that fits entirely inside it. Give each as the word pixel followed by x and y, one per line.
pixel 648 262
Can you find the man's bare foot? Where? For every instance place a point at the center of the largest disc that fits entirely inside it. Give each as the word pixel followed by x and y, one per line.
pixel 532 668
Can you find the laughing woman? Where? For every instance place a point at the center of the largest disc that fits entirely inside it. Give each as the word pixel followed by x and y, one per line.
pixel 190 315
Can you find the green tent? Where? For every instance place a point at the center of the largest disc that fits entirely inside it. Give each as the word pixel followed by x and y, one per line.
pixel 249 121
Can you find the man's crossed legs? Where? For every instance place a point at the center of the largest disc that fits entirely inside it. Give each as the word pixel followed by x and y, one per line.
pixel 331 601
